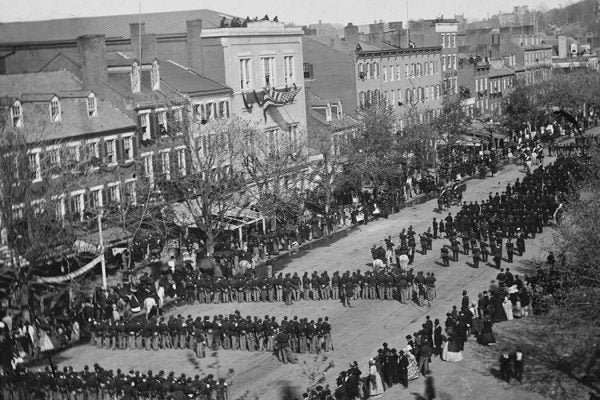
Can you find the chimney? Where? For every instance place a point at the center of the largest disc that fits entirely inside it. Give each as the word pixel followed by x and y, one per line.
pixel 94 72
pixel 351 33
pixel 136 33
pixel 195 47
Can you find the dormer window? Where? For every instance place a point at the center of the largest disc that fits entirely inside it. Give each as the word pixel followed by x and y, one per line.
pixel 16 114
pixel 135 77
pixel 92 107
pixel 55 109
pixel 155 76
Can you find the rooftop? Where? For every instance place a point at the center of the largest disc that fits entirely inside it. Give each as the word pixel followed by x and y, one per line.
pixel 112 26
pixel 35 92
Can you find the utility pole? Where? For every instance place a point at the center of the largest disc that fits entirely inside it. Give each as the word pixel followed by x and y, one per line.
pixel 102 259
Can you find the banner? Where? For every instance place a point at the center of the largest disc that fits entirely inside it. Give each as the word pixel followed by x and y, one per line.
pixel 68 277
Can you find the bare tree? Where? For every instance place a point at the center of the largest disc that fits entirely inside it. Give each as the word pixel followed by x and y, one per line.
pixel 212 188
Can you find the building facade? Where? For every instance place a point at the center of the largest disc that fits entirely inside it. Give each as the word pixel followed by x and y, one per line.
pixel 406 79
pixel 444 33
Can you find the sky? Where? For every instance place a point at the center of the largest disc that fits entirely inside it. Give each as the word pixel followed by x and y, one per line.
pixel 301 12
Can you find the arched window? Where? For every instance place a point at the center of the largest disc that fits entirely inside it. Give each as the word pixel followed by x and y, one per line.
pixel 369 72
pixel 16 114
pixel 376 70
pixel 408 96
pixel 361 97
pixel 55 109
pixel 418 69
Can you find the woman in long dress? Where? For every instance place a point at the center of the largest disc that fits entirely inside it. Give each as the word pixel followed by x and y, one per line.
pixel 375 382
pixel 45 341
pixel 508 308
pixel 450 355
pixel 413 367
pixel 487 335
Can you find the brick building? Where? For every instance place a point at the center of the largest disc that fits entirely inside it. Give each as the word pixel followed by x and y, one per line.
pixel 444 33
pixel 70 130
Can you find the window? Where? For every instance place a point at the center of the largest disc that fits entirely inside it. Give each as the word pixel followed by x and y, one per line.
pixel 406 70
pixel 453 40
pixel 288 66
pixel 454 62
pixel 162 122
pixel 431 68
pixel 35 166
pixel 245 74
pixel 205 111
pixel 110 151
pixel 307 69
pixel 223 109
pixel 426 92
pixel 92 107
pixel 385 74
pixel 91 151
pixel 268 71
pixel 155 76
pixel 77 204
pixel 145 126
pixel 292 135
pixel 128 149
pixel 369 71
pixel 148 167
pixel 114 193
pixel 166 164
pixel 443 63
pixel 16 114
pixel 375 70
pixel 130 194
pixel 398 72
pixel 96 199
pixel 443 40
pixel 399 97
pixel 135 77
pixel 391 73
pixel 361 99
pixel 55 109
pixel 54 157
pixel 181 162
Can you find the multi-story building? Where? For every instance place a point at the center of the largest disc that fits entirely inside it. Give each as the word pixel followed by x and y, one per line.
pixel 70 130
pixel 407 79
pixel 444 32
pixel 522 42
pixel 473 78
pixel 257 59
pixel 501 82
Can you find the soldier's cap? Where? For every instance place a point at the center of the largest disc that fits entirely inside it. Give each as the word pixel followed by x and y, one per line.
pixel 249 318
pixel 207 317
pixel 266 317
pixel 86 368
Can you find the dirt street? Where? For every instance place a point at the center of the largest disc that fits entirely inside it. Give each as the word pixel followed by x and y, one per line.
pixel 357 332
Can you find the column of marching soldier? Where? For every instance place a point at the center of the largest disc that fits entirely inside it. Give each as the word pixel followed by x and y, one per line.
pixel 505 220
pixel 102 384
pixel 232 332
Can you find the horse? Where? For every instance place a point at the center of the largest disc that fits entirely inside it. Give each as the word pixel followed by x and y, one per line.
pixel 378 264
pixel 241 268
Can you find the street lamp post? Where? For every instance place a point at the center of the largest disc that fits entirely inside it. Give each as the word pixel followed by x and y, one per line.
pixel 102 259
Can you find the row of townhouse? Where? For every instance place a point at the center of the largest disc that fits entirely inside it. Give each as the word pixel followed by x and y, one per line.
pixel 145 74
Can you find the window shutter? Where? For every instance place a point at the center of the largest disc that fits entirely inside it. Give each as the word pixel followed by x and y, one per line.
pixel 157 165
pixel 101 152
pixel 120 149
pixel 170 122
pixel 188 161
pixel 154 128
pixel 134 147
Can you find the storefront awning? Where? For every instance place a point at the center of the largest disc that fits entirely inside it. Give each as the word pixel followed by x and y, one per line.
pixel 233 217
